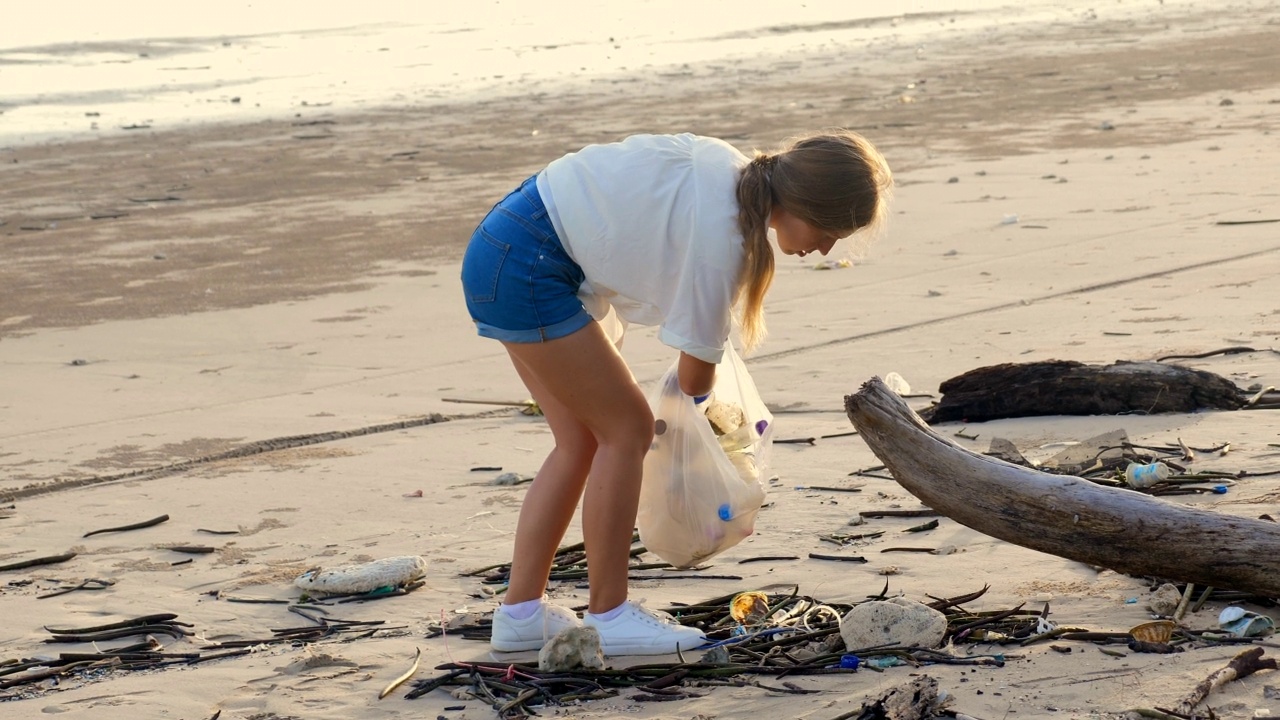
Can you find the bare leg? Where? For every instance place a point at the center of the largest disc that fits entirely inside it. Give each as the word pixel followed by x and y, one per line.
pixel 552 499
pixel 584 378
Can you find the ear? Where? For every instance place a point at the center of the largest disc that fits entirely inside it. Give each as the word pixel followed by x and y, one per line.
pixel 777 215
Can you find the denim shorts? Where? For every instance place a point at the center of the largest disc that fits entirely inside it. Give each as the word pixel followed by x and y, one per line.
pixel 520 284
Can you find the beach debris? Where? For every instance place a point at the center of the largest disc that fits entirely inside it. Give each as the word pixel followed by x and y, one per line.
pixel 527 407
pixel 158 624
pixel 897 621
pixel 86 584
pixel 749 608
pixel 148 654
pixel 392 572
pixel 510 479
pixel 1065 516
pixel 1241 666
pixel 1164 601
pixel 897 383
pixel 417 656
pixel 919 699
pixel 800 635
pixel 1243 623
pixel 35 562
pixel 1064 387
pixel 135 526
pixel 1156 631
pixel 833 264
pixel 575 648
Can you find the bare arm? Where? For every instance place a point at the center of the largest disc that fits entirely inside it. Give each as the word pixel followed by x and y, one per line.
pixel 696 376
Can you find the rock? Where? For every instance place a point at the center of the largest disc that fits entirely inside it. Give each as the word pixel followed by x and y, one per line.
pixel 718 655
pixel 1164 601
pixel 577 648
pixel 893 622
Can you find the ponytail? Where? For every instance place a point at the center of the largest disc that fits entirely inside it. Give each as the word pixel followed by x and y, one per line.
pixel 755 203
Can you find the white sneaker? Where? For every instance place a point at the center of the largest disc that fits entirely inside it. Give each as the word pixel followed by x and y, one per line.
pixel 637 631
pixel 531 633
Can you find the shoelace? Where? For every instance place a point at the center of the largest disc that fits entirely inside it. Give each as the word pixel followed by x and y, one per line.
pixel 662 618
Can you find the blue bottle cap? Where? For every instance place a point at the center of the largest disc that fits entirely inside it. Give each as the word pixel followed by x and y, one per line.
pixel 1220 489
pixel 850 662
pixel 725 512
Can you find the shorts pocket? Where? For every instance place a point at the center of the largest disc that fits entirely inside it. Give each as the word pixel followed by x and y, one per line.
pixel 482 266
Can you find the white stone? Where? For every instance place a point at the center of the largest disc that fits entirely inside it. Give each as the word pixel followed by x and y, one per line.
pixel 1164 601
pixel 897 621
pixel 575 648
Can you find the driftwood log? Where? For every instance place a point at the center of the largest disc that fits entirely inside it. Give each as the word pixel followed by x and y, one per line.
pixel 1120 529
pixel 1064 387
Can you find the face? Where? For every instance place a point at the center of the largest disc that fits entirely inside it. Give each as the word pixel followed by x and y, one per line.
pixel 797 237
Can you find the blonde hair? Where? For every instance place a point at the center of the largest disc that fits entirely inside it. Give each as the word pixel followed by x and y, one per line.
pixel 834 180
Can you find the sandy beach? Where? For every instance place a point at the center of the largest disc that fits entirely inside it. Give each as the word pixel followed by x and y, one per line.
pixel 258 328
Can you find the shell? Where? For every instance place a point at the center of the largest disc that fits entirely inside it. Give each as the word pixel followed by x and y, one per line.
pixel 1156 631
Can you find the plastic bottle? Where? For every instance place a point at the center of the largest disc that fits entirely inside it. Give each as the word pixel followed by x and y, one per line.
pixel 1144 476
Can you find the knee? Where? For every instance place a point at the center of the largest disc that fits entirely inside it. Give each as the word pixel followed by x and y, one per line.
pixel 579 450
pixel 631 430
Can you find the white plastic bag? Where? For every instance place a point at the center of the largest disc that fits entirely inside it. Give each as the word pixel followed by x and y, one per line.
pixel 702 477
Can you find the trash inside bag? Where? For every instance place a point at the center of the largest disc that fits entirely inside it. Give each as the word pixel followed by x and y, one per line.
pixel 701 489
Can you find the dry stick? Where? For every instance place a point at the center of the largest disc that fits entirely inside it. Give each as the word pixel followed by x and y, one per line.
pixel 898 513
pixel 169 630
pixel 33 562
pixel 144 620
pixel 88 584
pixel 192 549
pixel 1224 351
pixel 1182 604
pixel 1242 665
pixel 1258 396
pixel 134 526
pixel 504 403
pixel 852 558
pixel 400 680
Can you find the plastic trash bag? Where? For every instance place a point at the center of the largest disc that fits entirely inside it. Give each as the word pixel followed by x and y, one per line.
pixel 702 486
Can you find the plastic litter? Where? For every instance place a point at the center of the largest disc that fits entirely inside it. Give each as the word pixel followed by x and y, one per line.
pixel 701 488
pixel 1243 623
pixel 897 383
pixel 389 573
pixel 1144 476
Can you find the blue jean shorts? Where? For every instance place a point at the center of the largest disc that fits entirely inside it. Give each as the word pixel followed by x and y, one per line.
pixel 520 284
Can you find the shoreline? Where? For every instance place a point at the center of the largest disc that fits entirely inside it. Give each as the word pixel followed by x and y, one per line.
pixel 432 172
